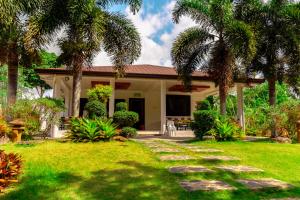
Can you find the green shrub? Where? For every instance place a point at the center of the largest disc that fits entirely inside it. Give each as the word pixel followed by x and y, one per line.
pixel 100 93
pixel 95 109
pixel 87 130
pixel 128 132
pixel 203 122
pixel 121 106
pixel 225 130
pixel 125 118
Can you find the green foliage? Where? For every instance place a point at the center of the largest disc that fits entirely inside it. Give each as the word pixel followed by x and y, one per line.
pixel 99 93
pixel 128 132
pixel 32 79
pixel 4 128
pixel 121 106
pixel 203 122
pixel 95 109
pixel 125 118
pixel 34 112
pixel 224 129
pixel 10 168
pixel 87 130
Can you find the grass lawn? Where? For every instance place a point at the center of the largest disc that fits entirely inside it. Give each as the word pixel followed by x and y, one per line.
pixel 114 170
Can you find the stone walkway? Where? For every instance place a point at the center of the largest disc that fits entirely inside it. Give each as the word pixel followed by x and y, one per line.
pixel 171 146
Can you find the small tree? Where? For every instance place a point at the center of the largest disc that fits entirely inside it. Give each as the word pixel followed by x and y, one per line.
pixel 97 98
pixel 123 117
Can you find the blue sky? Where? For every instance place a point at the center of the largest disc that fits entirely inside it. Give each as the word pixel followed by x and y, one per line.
pixel 157 31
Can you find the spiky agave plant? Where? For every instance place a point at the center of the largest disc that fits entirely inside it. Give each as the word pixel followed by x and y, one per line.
pixel 216 46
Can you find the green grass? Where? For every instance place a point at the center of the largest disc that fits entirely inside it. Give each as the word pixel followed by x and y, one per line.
pixel 113 170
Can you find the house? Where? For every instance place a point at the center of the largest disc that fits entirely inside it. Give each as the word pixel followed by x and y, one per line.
pixel 155 92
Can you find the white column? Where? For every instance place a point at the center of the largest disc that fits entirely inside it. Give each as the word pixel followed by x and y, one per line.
pixel 111 108
pixel 240 106
pixel 162 106
pixel 54 131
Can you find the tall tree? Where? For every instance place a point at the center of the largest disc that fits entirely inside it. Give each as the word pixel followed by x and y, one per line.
pixel 277 29
pixel 13 15
pixel 216 46
pixel 88 26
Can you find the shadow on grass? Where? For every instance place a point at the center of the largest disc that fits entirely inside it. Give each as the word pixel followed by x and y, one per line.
pixel 132 181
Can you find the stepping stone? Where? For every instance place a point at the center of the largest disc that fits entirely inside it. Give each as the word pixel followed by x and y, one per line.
pixel 239 168
pixel 176 157
pixel 220 158
pixel 264 183
pixel 165 150
pixel 206 150
pixel 156 146
pixel 205 185
pixel 189 169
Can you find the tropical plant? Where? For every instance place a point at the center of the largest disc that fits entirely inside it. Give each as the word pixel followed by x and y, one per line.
pixel 88 26
pixel 100 93
pixel 107 128
pixel 277 25
pixel 4 128
pixel 10 168
pixel 88 130
pixel 217 46
pixel 13 16
pixel 128 132
pixel 223 130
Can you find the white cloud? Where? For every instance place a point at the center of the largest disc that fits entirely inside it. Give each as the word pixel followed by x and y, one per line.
pixel 150 26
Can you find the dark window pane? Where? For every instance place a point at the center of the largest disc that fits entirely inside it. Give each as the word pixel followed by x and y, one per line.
pixel 178 105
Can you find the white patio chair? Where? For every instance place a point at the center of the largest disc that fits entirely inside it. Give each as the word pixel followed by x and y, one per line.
pixel 171 128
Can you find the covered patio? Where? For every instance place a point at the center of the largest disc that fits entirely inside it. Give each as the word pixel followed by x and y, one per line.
pixel 154 92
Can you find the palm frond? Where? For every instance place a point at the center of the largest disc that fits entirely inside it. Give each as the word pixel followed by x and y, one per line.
pixel 189 52
pixel 121 41
pixel 197 10
pixel 135 5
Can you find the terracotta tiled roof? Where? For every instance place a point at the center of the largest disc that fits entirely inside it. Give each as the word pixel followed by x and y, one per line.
pixel 133 71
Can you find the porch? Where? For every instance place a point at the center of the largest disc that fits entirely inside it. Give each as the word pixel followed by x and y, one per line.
pixel 156 95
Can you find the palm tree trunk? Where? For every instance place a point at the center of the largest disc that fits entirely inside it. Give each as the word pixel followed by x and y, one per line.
pixel 222 95
pixel 77 77
pixel 12 74
pixel 272 91
pixel 272 102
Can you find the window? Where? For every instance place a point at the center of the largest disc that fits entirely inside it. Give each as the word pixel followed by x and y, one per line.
pixel 178 105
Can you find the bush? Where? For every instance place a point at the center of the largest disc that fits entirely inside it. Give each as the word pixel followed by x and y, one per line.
pixel 4 128
pixel 95 109
pixel 203 122
pixel 225 130
pixel 100 93
pixel 125 118
pixel 87 130
pixel 128 132
pixel 10 168
pixel 121 106
pixel 34 112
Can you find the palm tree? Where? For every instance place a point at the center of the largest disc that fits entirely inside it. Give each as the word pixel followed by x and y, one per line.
pixel 216 46
pixel 277 28
pixel 88 27
pixel 12 52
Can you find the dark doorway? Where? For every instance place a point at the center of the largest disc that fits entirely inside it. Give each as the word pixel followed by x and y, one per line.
pixel 138 105
pixel 83 102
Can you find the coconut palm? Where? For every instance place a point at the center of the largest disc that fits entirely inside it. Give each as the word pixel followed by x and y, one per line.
pixel 277 28
pixel 13 14
pixel 88 28
pixel 216 46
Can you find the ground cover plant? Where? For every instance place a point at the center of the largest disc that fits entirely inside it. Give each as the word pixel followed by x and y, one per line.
pixel 115 170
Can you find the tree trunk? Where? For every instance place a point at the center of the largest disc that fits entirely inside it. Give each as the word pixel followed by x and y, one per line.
pixel 222 95
pixel 272 102
pixel 13 62
pixel 77 77
pixel 272 91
